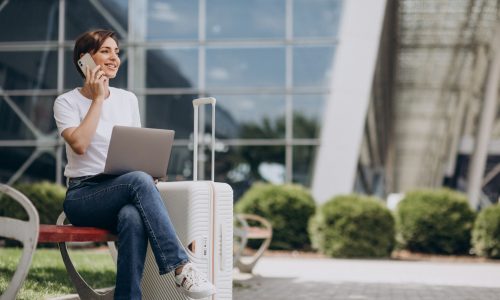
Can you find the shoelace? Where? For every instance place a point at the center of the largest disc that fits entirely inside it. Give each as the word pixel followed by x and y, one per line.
pixel 193 276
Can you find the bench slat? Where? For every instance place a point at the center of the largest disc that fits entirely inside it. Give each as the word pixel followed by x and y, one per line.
pixel 257 233
pixel 69 233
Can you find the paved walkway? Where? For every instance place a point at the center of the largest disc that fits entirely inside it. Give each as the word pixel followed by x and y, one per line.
pixel 332 279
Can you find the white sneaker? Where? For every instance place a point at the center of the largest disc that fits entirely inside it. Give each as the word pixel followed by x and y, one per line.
pixel 192 283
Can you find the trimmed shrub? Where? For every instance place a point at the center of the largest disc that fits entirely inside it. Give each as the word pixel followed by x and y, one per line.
pixel 46 196
pixel 486 232
pixel 435 221
pixel 288 208
pixel 353 226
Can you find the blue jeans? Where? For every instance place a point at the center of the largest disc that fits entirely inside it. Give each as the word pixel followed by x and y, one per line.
pixel 131 206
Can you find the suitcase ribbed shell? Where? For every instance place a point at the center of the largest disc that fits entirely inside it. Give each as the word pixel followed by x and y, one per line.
pixel 202 214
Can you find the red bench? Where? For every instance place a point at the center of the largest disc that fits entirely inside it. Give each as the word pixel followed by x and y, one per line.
pixel 30 233
pixel 61 234
pixel 70 233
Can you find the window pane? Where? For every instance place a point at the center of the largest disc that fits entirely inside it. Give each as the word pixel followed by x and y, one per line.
pixel 307 115
pixel 172 68
pixel 171 112
pixel 312 66
pixel 250 116
pixel 11 159
pixel 11 126
pixel 228 19
pixel 238 166
pixel 256 67
pixel 28 70
pixel 241 166
pixel 316 18
pixel 303 164
pixel 180 165
pixel 37 109
pixel 73 79
pixel 29 20
pixel 172 19
pixel 82 16
pixel 44 167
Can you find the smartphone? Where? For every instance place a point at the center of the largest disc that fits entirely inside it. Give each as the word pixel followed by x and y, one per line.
pixel 86 60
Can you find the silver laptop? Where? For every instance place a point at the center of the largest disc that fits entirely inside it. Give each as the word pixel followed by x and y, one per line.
pixel 139 149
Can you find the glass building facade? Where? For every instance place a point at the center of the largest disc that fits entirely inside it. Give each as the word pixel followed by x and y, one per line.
pixel 268 63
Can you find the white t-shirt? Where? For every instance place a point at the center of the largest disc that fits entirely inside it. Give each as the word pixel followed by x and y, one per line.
pixel 120 108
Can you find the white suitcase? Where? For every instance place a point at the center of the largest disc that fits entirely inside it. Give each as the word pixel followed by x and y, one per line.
pixel 202 214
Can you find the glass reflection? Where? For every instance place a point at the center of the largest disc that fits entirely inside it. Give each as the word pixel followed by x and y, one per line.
pixel 180 165
pixel 238 166
pixel 316 18
pixel 172 19
pixel 28 70
pixel 227 19
pixel 246 67
pixel 89 15
pixel 312 66
pixel 307 115
pixel 241 166
pixel 252 116
pixel 37 109
pixel 170 112
pixel 73 79
pixel 11 159
pixel 172 68
pixel 43 167
pixel 11 126
pixel 303 163
pixel 29 20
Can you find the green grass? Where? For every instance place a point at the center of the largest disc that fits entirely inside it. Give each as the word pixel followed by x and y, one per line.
pixel 47 276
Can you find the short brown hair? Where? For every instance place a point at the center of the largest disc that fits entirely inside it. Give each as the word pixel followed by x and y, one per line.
pixel 90 41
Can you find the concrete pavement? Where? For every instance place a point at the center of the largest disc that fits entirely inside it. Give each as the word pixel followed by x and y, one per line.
pixel 322 278
pixel 280 278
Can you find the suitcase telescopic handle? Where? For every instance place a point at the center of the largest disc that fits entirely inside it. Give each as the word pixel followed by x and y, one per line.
pixel 196 104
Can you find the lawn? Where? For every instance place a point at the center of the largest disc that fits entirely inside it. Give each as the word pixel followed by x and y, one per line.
pixel 47 276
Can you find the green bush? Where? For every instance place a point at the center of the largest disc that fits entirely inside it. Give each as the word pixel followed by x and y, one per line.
pixel 287 207
pixel 435 221
pixel 353 226
pixel 47 197
pixel 486 232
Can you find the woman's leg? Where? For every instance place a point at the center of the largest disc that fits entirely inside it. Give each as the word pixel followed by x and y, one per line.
pixel 99 201
pixel 132 245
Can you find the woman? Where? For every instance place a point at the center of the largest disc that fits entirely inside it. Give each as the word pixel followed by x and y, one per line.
pixel 128 204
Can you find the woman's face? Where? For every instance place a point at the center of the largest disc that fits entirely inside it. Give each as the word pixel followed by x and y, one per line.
pixel 107 58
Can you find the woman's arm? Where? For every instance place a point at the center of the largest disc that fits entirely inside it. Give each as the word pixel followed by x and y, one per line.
pixel 79 138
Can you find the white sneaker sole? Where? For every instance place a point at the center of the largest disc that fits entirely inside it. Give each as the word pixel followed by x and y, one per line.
pixel 196 295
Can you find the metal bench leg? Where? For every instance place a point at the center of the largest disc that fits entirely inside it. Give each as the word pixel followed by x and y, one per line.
pixel 23 231
pixel 246 264
pixel 240 238
pixel 83 289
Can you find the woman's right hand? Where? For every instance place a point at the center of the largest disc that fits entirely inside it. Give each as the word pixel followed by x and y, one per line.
pixel 95 81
